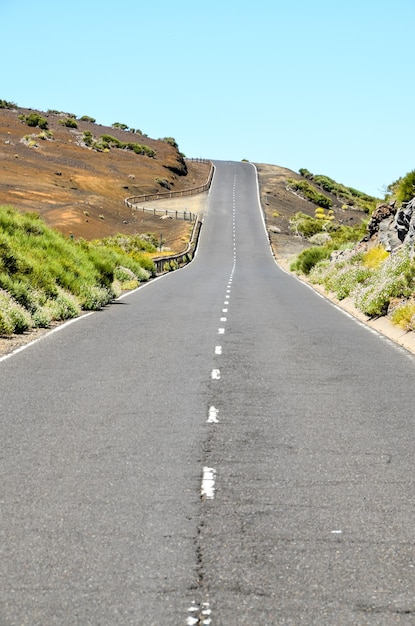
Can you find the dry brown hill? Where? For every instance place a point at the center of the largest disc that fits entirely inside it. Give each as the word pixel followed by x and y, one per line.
pixel 79 190
pixel 280 205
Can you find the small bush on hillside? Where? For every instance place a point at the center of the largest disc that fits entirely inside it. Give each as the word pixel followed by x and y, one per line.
pixel 308 191
pixel 306 225
pixel 4 104
pixel 13 317
pixel 404 315
pixel 320 239
pixel 308 258
pixel 45 135
pixel 120 125
pixel 305 173
pixel 163 182
pixel 87 138
pixel 94 298
pixel 171 141
pixel 69 122
pixel 34 119
pixel 374 257
pixel 87 118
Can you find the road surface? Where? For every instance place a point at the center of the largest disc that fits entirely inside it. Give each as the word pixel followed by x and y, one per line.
pixel 222 446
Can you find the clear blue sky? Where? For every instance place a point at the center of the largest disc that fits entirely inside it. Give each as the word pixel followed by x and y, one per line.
pixel 325 85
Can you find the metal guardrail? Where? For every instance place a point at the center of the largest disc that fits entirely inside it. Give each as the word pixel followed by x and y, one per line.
pixel 134 200
pixel 166 264
pixel 184 215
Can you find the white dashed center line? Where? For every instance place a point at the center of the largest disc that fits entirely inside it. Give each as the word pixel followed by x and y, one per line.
pixel 207 490
pixel 215 374
pixel 213 415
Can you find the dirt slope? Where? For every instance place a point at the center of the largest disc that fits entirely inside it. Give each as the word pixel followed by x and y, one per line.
pixel 280 205
pixel 79 190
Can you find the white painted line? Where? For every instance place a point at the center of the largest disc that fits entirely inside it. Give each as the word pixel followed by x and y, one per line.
pixel 218 349
pixel 226 302
pixel 57 329
pixel 336 532
pixel 221 331
pixel 207 490
pixel 223 319
pixel 215 374
pixel 213 415
pixel 225 310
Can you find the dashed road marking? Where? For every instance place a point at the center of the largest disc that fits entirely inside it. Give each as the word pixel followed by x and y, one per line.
pixel 223 319
pixel 215 374
pixel 221 331
pixel 199 614
pixel 218 349
pixel 213 415
pixel 207 490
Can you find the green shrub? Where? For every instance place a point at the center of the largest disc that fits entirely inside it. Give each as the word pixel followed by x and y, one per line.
pixel 308 191
pixel 87 138
pixel 4 104
pixel 87 118
pixel 163 182
pixel 123 274
pixel 308 258
pixel 404 315
pixel 306 225
pixel 120 125
pixel 45 134
pixel 405 188
pixel 13 317
pixel 94 298
pixel 69 122
pixel 34 119
pixel 6 325
pixel 305 173
pixel 42 317
pixel 171 141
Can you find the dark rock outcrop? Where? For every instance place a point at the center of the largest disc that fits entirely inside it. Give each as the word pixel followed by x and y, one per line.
pixel 391 227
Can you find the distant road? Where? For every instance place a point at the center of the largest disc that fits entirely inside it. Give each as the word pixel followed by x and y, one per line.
pixel 222 447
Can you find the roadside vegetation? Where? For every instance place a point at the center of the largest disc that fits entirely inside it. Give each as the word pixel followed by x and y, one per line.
pixel 46 278
pixel 105 142
pixel 350 197
pixel 378 282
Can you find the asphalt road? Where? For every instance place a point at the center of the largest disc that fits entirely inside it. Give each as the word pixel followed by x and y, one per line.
pixel 222 447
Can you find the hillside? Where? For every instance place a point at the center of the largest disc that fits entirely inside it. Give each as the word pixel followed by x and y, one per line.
pixel 280 205
pixel 80 190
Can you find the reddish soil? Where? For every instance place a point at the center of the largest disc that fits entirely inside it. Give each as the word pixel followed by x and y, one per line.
pixel 81 191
